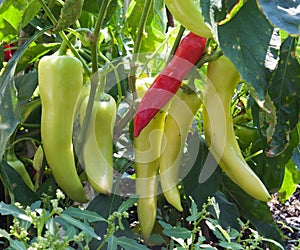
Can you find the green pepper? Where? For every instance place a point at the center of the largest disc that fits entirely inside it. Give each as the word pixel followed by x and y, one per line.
pixel 218 127
pixel 189 15
pixel 98 145
pixel 60 82
pixel 19 166
pixel 147 153
pixel 183 107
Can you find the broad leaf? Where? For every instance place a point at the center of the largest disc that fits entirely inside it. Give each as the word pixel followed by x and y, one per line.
pixel 271 169
pixel 251 43
pixel 256 211
pixel 284 89
pixel 34 52
pixel 10 112
pixel 70 13
pixel 225 212
pixel 290 181
pixel 26 84
pixel 283 14
pixel 204 179
pixel 18 190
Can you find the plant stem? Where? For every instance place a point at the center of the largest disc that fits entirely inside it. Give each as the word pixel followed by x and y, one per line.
pixel 95 75
pixel 64 36
pixel 176 42
pixel 96 32
pixel 137 44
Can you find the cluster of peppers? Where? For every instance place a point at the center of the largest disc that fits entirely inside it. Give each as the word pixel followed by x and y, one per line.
pixel 61 91
pixel 163 121
pixel 161 124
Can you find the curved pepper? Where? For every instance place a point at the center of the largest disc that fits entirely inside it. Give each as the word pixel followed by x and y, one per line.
pixel 183 107
pixel 189 15
pixel 98 145
pixel 218 128
pixel 147 153
pixel 60 82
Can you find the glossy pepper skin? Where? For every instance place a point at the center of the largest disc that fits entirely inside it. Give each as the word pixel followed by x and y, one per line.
pixel 60 82
pixel 183 107
pixel 189 15
pixel 98 145
pixel 218 128
pixel 147 153
pixel 189 51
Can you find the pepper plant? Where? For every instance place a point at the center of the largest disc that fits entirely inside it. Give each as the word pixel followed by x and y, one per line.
pixel 96 101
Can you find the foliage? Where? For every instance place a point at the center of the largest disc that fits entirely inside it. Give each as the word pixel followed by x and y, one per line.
pixel 125 41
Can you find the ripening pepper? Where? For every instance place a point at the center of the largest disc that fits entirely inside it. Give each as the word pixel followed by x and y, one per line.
pixel 166 84
pixel 223 78
pixel 189 15
pixel 183 107
pixel 98 145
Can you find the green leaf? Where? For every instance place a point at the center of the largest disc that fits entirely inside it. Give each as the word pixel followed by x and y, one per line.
pixel 178 232
pixel 26 85
pixel 13 244
pixel 70 13
pixel 112 243
pixel 28 108
pixel 15 15
pixel 195 214
pixel 18 190
pixel 105 206
pixel 32 9
pixel 296 157
pixel 155 25
pixel 33 53
pixel 204 178
pixel 230 245
pixel 12 209
pixel 225 212
pixel 252 44
pixel 77 223
pixel 290 181
pixel 78 213
pixel 130 244
pixel 217 230
pixel 128 204
pixel 270 169
pixel 10 114
pixel 283 14
pixel 256 211
pixel 284 89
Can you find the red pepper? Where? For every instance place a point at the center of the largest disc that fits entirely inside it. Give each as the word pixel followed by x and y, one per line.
pixel 189 51
pixel 7 53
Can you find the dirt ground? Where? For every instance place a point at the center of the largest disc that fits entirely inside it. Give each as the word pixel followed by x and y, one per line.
pixel 287 216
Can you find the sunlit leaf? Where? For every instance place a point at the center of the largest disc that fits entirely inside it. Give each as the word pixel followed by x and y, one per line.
pixel 284 89
pixel 283 14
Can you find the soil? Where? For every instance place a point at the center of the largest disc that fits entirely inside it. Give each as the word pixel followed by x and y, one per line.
pixel 287 217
